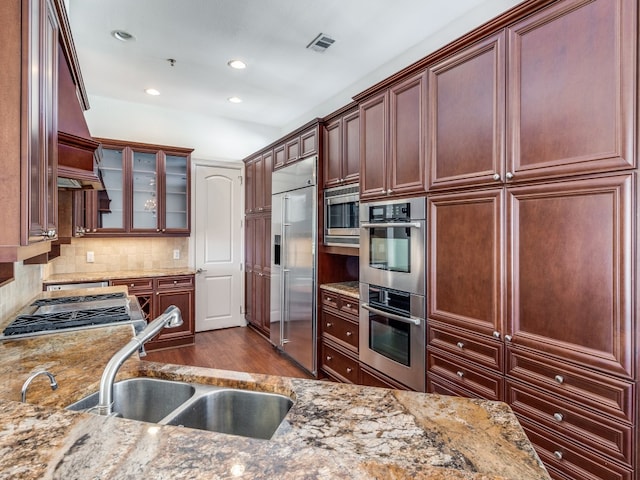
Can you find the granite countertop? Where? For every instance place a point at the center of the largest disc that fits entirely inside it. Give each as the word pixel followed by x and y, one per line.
pixel 333 431
pixel 97 276
pixel 350 289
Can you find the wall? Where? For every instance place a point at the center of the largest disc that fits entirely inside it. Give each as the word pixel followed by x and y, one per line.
pixel 27 284
pixel 114 254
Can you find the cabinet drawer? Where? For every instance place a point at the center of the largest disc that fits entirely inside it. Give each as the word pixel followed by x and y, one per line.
pixel 349 305
pixel 372 378
pixel 598 391
pixel 579 424
pixel 341 330
pixel 339 364
pixel 437 384
pixel 570 460
pixel 141 284
pixel 486 351
pixel 170 283
pixel 330 299
pixel 483 383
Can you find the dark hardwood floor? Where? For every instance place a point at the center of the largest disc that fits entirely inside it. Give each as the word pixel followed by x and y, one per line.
pixel 240 348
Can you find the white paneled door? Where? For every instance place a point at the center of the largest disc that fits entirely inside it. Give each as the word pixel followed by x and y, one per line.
pixel 218 247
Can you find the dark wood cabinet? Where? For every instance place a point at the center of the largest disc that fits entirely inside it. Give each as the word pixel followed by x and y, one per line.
pixel 155 295
pixel 300 146
pixel 258 271
pixel 147 191
pixel 28 143
pixel 258 183
pixel 570 271
pixel 466 110
pixel 392 158
pixel 571 94
pixel 341 163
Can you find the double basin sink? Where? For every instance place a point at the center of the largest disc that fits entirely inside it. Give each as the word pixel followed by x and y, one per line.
pixel 205 407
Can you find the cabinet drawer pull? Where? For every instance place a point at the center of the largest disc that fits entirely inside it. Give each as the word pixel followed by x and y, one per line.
pixel 329 358
pixel 175 282
pixel 327 299
pixel 349 334
pixel 348 305
pixel 460 373
pixel 460 345
pixel 558 417
pixel 496 334
pixel 133 285
pixel 496 176
pixel 329 324
pixel 509 176
pixel 559 379
pixel 349 370
pixel 558 454
pixel 508 338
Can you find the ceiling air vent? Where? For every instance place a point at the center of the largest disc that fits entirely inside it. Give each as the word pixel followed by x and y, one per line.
pixel 320 43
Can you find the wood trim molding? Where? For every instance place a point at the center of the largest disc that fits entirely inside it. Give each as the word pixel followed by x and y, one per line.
pixel 108 142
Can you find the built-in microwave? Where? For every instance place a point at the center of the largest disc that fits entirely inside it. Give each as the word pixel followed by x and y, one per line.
pixel 341 216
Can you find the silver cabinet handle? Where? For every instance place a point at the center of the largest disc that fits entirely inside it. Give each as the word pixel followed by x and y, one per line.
pixel 349 370
pixel 392 316
pixel 460 345
pixel 389 192
pixel 392 225
pixel 558 417
pixel 348 305
pixel 559 379
pixel 329 324
pixel 383 191
pixel 558 454
pixel 508 338
pixel 496 176
pixel 329 358
pixel 496 334
pixel 460 373
pixel 349 334
pixel 509 175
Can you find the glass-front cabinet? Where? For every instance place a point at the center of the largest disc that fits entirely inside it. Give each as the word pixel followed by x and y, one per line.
pixel 146 190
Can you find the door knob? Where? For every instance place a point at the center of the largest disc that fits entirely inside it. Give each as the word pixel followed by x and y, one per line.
pixel 200 270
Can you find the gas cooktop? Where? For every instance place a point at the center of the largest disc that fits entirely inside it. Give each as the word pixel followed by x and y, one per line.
pixel 74 313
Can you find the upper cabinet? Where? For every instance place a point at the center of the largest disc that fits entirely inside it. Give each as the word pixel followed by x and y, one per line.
pixel 28 128
pixel 297 146
pixel 466 109
pixel 571 97
pixel 341 162
pixel 258 186
pixel 392 159
pixel 147 191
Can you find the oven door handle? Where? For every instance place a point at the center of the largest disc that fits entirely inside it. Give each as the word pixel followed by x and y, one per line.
pixel 392 316
pixel 391 225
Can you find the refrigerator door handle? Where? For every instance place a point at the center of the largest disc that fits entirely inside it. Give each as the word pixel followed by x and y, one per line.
pixel 285 307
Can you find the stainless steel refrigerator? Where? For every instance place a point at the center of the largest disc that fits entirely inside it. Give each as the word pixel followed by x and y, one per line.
pixel 293 262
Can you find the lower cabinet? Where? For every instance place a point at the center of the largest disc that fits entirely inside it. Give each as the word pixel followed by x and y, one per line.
pixel 258 300
pixel 157 294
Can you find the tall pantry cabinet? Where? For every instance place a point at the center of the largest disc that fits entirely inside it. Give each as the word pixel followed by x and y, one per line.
pixel 532 238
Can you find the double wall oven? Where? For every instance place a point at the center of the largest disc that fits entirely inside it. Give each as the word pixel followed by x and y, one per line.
pixel 392 289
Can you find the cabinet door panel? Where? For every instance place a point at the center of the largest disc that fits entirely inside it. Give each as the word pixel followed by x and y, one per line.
pixel 176 193
pixel 407 137
pixel 332 153
pixel 466 257
pixel 572 89
pixel 278 156
pixel 373 146
pixel 309 142
pixel 144 178
pixel 292 150
pixel 466 116
pixel 250 242
pixel 258 184
pixel 184 301
pixel 571 269
pixel 351 147
pixel 267 169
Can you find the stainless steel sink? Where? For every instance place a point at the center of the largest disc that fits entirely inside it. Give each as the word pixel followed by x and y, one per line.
pixel 144 399
pixel 236 412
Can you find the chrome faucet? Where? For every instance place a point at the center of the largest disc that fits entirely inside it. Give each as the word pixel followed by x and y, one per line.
pixel 170 318
pixel 27 382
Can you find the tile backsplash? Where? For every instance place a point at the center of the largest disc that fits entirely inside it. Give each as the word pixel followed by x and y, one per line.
pixel 15 294
pixel 113 254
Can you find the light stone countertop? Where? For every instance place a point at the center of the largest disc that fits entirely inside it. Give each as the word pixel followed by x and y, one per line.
pixel 97 276
pixel 350 289
pixel 333 431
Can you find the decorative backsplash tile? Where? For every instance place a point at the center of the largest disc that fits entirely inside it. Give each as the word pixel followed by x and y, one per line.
pixel 111 254
pixel 27 284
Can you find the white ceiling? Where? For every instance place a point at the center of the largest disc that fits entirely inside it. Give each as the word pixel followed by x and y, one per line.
pixel 283 81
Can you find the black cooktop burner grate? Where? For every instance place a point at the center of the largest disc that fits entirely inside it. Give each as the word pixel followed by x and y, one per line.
pixel 63 320
pixel 77 299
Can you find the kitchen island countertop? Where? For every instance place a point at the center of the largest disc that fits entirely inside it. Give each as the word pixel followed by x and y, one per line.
pixel 332 431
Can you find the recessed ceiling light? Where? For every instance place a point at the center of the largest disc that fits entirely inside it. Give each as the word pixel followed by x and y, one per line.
pixel 237 64
pixel 235 99
pixel 152 91
pixel 122 35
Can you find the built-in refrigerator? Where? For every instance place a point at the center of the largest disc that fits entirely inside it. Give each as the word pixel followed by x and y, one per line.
pixel 293 262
